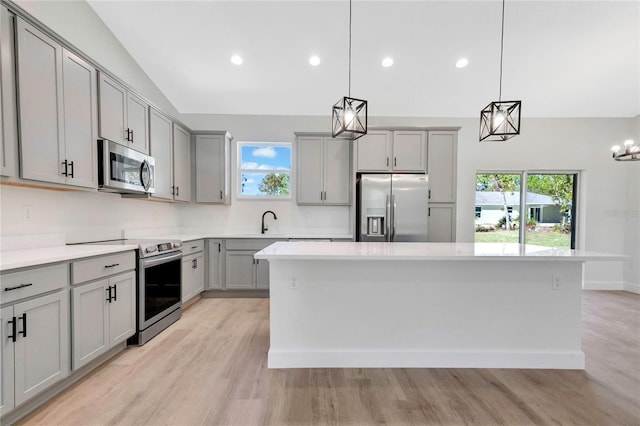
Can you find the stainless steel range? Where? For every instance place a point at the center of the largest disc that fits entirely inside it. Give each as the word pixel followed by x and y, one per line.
pixel 159 286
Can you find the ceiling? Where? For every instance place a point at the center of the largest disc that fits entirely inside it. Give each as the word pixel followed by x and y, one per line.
pixel 561 58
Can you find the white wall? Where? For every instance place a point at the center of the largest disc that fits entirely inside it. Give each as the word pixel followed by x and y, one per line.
pixel 79 215
pixel 77 23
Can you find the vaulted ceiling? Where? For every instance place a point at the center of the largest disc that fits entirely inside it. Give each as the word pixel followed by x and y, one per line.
pixel 561 58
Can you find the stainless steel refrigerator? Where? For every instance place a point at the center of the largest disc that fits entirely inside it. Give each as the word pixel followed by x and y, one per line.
pixel 392 207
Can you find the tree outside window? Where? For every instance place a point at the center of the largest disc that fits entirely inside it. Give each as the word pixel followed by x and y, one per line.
pixel 264 170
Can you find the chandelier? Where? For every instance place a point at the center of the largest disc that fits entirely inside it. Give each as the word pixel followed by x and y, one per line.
pixel 349 115
pixel 500 120
pixel 631 152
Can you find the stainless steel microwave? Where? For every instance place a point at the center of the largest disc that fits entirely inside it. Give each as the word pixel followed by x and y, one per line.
pixel 123 170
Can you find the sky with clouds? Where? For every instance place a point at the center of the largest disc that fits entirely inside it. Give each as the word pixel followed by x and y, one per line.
pixel 256 158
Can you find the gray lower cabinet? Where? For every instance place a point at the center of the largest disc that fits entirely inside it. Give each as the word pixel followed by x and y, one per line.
pixel 193 269
pixel 242 271
pixel 442 223
pixel 102 305
pixel 215 272
pixel 35 342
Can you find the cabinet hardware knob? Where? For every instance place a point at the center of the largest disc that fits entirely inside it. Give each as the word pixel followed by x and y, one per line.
pixel 387 161
pixel 429 194
pixel 66 170
pixel 108 299
pixel 131 135
pixel 13 323
pixel 177 191
pixel 395 161
pixel 17 287
pixel 429 211
pixel 115 292
pixel 24 325
pixel 221 195
pixel 194 247
pixel 112 265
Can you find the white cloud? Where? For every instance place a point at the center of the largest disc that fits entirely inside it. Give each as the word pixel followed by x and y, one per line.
pixel 250 165
pixel 266 151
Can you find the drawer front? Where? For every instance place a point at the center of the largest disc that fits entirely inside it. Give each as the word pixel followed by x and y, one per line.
pixel 103 266
pixel 18 285
pixel 189 247
pixel 248 244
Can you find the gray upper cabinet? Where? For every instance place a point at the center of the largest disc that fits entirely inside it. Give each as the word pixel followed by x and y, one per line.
pixel 442 166
pixel 8 112
pixel 374 152
pixel 324 171
pixel 409 151
pixel 123 115
pixel 181 164
pixel 213 168
pixel 392 151
pixel 161 148
pixel 57 90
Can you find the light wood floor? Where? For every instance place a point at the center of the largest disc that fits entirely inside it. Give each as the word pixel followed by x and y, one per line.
pixel 210 369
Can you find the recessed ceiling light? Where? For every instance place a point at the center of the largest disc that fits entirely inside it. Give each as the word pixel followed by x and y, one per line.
pixel 314 60
pixel 236 60
pixel 387 62
pixel 462 62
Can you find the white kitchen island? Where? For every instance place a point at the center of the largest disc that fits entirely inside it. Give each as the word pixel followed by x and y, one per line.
pixel 445 305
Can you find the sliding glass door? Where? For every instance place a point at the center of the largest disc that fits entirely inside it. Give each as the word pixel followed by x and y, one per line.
pixel 526 206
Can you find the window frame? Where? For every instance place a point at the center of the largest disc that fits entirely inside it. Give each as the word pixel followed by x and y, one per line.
pixel 241 170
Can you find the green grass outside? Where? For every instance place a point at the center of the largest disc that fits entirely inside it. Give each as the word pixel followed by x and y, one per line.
pixel 547 238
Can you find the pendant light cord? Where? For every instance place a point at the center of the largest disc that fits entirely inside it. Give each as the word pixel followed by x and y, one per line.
pixel 501 52
pixel 349 48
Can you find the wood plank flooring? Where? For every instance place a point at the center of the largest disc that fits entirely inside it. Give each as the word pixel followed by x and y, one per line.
pixel 210 368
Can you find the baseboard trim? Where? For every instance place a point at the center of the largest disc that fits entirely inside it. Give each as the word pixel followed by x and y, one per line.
pixel 236 293
pixel 565 360
pixel 632 287
pixel 603 285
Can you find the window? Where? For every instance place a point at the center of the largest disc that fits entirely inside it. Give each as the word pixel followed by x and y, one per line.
pixel 264 170
pixel 478 212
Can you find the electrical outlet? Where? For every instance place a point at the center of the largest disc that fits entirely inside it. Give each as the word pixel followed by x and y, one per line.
pixel 555 282
pixel 26 213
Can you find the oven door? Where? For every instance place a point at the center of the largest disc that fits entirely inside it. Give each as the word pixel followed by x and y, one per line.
pixel 159 288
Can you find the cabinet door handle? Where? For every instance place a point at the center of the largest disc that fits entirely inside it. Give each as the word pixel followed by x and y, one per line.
pixel 395 161
pixel 24 325
pixel 429 211
pixel 13 322
pixel 115 292
pixel 429 194
pixel 66 165
pixel 173 190
pixel 131 135
pixel 194 247
pixel 221 195
pixel 126 138
pixel 18 286
pixel 387 161
pixel 177 191
pixel 112 265
pixel 219 247
pixel 71 166
pixel 109 291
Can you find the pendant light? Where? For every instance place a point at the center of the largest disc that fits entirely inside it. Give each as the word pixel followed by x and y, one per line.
pixel 631 152
pixel 349 116
pixel 500 120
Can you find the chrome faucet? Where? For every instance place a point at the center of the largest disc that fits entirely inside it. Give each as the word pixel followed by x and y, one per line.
pixel 266 227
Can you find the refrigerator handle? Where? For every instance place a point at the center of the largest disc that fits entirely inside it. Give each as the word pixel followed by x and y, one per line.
pixel 393 217
pixel 387 236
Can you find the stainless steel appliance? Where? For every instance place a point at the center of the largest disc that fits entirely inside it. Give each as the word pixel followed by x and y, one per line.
pixel 158 287
pixel 392 207
pixel 123 170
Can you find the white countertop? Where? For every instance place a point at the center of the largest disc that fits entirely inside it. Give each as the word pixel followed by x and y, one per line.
pixel 200 236
pixel 425 251
pixel 13 259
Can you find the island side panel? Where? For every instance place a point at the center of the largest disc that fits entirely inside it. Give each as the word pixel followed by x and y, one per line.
pixel 446 314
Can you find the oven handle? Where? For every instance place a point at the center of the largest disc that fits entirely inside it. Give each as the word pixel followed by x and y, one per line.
pixel 159 260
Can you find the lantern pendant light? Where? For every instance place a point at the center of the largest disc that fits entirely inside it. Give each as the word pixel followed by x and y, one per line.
pixel 500 120
pixel 349 116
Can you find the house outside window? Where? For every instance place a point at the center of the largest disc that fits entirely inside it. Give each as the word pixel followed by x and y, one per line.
pixel 264 170
pixel 478 212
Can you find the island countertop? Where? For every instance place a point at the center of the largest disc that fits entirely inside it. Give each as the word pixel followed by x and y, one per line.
pixel 426 251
